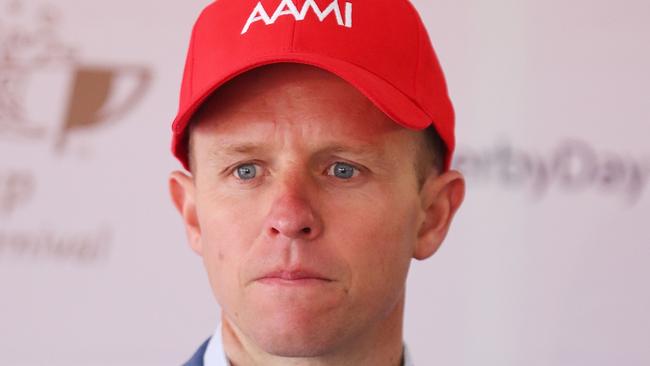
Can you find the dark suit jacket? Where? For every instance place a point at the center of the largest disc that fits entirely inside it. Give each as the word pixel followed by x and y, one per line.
pixel 197 359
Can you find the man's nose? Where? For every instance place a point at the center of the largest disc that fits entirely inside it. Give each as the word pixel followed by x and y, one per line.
pixel 293 215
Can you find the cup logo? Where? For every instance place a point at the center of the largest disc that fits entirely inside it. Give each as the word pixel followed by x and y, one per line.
pixel 55 101
pixel 102 94
pixel 46 93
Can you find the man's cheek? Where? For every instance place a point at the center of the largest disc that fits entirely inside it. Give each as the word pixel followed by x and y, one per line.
pixel 381 249
pixel 222 243
pixel 222 260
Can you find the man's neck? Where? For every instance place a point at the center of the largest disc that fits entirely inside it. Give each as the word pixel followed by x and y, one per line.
pixel 382 346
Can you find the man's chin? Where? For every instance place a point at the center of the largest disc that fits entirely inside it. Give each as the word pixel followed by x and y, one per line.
pixel 293 335
pixel 297 344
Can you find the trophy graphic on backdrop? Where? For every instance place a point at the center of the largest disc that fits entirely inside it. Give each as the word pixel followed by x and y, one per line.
pixel 46 93
pixel 93 98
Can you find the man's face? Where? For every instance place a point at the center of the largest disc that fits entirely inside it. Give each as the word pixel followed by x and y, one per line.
pixel 307 209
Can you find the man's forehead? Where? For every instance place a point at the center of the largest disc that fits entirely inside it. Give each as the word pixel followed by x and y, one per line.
pixel 251 139
pixel 230 147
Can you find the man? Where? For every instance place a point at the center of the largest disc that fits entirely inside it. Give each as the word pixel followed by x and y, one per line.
pixel 318 136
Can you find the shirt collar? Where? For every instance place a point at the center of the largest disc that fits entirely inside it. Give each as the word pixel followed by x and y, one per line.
pixel 214 353
pixel 216 356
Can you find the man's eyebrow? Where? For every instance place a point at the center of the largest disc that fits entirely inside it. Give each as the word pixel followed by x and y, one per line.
pixel 237 148
pixel 224 150
pixel 368 153
pixel 365 150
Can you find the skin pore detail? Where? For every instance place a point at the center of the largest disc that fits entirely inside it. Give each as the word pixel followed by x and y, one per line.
pixel 306 209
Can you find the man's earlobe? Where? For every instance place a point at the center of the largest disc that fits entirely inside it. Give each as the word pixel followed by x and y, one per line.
pixel 181 188
pixel 441 197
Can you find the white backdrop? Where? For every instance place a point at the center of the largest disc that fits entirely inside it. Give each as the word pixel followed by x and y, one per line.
pixel 548 261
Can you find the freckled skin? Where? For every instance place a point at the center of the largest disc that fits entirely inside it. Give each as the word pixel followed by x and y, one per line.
pixel 358 232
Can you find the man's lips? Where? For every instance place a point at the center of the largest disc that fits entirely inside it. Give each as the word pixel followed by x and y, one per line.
pixel 293 277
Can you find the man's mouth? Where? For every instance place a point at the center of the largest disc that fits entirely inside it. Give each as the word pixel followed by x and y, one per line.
pixel 293 277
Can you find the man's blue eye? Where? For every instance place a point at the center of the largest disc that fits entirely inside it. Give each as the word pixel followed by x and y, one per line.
pixel 343 170
pixel 246 171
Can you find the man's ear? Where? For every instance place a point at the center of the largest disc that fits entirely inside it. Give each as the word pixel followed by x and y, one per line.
pixel 441 197
pixel 181 187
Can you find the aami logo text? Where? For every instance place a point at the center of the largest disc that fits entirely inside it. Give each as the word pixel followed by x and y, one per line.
pixel 287 7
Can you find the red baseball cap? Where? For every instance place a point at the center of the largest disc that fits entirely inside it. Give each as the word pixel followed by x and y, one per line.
pixel 381 47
